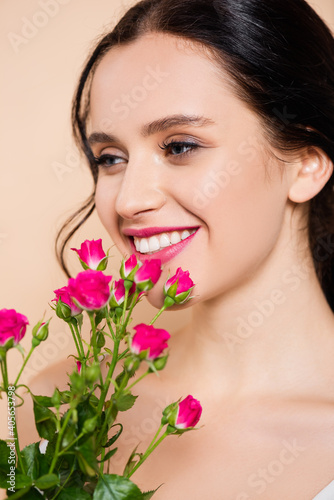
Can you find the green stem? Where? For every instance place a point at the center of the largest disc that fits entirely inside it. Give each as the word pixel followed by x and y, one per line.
pixel 123 323
pixel 71 444
pixel 110 328
pixel 75 340
pixel 24 364
pixel 124 353
pixel 119 391
pixel 134 302
pixel 63 485
pixel 79 341
pixel 149 450
pixel 93 342
pixel 58 443
pixel 4 373
pixel 158 314
pixel 103 452
pixel 139 379
pixel 17 448
pixel 109 376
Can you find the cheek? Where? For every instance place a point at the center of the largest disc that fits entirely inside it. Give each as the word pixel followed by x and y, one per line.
pixel 105 205
pixel 246 220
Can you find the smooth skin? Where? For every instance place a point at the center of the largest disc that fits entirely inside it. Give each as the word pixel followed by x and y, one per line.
pixel 258 352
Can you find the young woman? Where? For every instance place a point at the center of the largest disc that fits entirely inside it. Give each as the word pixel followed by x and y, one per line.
pixel 209 129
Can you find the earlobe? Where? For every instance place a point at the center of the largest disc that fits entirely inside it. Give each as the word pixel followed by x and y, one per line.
pixel 313 172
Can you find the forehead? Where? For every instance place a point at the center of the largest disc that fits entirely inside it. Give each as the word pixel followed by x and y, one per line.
pixel 157 71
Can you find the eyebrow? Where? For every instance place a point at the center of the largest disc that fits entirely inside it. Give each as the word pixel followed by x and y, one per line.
pixel 156 126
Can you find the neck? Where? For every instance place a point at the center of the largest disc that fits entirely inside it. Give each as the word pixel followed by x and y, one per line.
pixel 274 333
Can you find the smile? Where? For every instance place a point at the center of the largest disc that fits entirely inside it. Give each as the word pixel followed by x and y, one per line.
pixel 160 241
pixel 162 245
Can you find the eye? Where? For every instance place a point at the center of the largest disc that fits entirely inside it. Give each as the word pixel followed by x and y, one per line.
pixel 176 148
pixel 107 160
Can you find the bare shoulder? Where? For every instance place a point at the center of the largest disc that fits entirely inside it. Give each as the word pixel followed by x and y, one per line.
pixel 43 384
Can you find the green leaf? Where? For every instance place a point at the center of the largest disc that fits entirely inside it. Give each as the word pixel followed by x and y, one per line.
pixel 23 493
pixel 85 411
pixel 86 457
pixel 47 481
pixel 108 455
pixel 27 494
pixel 149 494
pixel 4 454
pixel 30 460
pixel 115 437
pixel 113 487
pixel 21 480
pixel 120 377
pixel 73 493
pixel 45 421
pixel 99 316
pixel 125 401
pixel 69 434
pixel 43 400
pixel 131 462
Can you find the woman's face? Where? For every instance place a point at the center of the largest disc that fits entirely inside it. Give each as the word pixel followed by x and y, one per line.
pixel 216 178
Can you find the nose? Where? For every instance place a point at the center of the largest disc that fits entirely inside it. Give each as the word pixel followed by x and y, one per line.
pixel 141 189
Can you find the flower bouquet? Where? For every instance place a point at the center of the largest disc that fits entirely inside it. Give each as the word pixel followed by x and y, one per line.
pixel 79 427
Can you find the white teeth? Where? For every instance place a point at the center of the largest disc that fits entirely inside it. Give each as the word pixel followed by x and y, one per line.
pixel 144 248
pixel 185 234
pixel 153 244
pixel 175 238
pixel 164 241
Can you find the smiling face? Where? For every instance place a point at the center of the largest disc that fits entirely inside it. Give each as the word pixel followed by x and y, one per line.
pixel 184 174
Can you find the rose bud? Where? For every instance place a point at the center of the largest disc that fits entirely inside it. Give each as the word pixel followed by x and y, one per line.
pixel 149 341
pixel 92 256
pixel 148 274
pixel 66 308
pixel 40 332
pixel 118 293
pixel 13 327
pixel 90 289
pixel 129 268
pixel 79 366
pixel 182 415
pixel 179 287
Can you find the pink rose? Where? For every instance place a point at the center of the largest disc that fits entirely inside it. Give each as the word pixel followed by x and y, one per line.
pixel 179 286
pixel 148 274
pixel 118 293
pixel 13 327
pixel 147 337
pixel 90 289
pixel 129 267
pixel 189 413
pixel 92 255
pixel 64 296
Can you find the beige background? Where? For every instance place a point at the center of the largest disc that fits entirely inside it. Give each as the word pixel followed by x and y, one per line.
pixel 42 177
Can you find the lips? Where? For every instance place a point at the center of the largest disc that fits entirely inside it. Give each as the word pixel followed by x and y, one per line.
pixel 164 254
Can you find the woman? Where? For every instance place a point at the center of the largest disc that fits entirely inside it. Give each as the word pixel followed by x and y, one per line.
pixel 209 129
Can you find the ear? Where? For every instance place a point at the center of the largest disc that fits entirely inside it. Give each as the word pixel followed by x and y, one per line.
pixel 312 172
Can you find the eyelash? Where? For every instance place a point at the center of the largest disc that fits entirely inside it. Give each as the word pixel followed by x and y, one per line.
pixel 172 144
pixel 100 160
